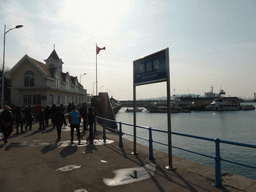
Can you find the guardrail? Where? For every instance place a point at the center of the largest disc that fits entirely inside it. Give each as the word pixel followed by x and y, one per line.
pixel 217 141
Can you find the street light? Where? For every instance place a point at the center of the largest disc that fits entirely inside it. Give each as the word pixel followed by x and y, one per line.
pixel 17 26
pixel 81 76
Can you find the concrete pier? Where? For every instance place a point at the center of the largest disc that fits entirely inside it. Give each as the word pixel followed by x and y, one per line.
pixel 33 161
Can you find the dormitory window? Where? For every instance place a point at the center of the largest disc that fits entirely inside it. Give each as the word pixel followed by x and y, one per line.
pixel 32 99
pixel 29 79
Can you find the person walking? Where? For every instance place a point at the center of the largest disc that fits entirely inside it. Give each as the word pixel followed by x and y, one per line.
pixel 41 118
pixel 47 114
pixel 53 110
pixel 83 112
pixel 6 121
pixel 74 119
pixel 59 119
pixel 37 111
pixel 91 120
pixel 69 108
pixel 29 117
pixel 19 120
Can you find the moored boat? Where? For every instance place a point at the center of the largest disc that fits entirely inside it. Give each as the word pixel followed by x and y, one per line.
pixel 131 110
pixel 228 104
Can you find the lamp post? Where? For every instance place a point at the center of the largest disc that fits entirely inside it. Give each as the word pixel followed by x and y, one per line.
pixel 81 76
pixel 17 26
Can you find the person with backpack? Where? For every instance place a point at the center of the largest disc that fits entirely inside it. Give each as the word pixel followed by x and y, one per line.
pixel 74 119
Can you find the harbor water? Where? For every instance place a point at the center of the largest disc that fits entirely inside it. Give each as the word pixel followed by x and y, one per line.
pixel 237 126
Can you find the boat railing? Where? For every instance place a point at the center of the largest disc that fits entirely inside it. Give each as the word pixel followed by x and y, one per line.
pixel 217 157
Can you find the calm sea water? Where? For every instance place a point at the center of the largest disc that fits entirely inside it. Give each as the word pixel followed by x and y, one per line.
pixel 237 126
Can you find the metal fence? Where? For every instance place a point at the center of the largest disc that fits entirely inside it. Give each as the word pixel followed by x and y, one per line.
pixel 217 157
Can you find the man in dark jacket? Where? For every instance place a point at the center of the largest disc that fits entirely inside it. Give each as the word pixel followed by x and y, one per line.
pixel 19 119
pixel 6 121
pixel 41 118
pixel 83 112
pixel 59 119
pixel 29 117
pixel 53 110
pixel 91 120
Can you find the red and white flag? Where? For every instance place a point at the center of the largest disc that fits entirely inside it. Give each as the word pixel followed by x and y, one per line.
pixel 98 49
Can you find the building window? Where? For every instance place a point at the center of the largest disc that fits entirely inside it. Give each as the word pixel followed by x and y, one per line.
pixel 29 79
pixel 58 101
pixel 32 99
pixel 37 99
pixel 51 98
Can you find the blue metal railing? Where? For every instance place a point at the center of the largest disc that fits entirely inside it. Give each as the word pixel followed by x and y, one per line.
pixel 217 141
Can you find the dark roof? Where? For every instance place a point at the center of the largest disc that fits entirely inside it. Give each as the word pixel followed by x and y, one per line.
pixel 53 55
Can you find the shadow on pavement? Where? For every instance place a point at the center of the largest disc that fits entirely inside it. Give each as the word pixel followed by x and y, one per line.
pixel 69 150
pixel 33 133
pixel 48 130
pixel 90 147
pixel 50 147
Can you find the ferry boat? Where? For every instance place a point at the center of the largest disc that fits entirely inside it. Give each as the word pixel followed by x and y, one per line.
pixel 228 104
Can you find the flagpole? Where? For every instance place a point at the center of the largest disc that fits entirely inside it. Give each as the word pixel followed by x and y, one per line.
pixel 96 73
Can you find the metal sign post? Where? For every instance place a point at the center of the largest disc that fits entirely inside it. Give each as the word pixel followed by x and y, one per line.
pixel 153 68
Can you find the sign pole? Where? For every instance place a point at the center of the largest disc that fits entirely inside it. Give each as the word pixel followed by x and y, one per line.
pixel 134 121
pixel 96 73
pixel 170 167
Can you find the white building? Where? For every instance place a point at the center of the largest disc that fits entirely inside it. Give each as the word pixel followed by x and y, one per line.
pixel 34 83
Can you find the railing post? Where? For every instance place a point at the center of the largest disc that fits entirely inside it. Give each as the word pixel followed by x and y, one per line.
pixel 217 182
pixel 120 135
pixel 150 140
pixel 104 131
pixel 95 125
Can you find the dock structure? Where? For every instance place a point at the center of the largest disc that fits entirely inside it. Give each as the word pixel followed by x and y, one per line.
pixel 34 161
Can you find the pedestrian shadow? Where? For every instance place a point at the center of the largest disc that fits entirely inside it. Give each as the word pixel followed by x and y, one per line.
pixel 2 145
pixel 47 130
pixel 90 147
pixel 13 135
pixel 50 147
pixel 33 133
pixel 69 150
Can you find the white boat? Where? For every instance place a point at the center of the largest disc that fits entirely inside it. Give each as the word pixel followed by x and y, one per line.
pixel 131 110
pixel 227 104
pixel 161 107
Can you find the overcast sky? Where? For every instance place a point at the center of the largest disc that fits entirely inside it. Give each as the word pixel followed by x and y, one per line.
pixel 211 42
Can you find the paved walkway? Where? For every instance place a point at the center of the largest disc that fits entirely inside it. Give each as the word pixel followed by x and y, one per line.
pixel 33 161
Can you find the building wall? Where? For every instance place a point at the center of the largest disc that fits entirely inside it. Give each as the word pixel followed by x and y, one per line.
pixel 44 86
pixel 18 76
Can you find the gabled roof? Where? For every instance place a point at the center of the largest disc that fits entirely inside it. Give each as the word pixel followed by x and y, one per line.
pixel 53 55
pixel 48 70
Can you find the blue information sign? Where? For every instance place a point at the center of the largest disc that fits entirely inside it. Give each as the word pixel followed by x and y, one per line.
pixel 150 69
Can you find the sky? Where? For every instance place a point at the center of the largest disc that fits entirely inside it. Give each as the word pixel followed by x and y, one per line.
pixel 211 42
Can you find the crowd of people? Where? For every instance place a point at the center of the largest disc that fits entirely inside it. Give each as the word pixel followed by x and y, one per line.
pixel 20 117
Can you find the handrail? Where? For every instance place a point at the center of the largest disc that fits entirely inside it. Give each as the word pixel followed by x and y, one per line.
pixel 217 142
